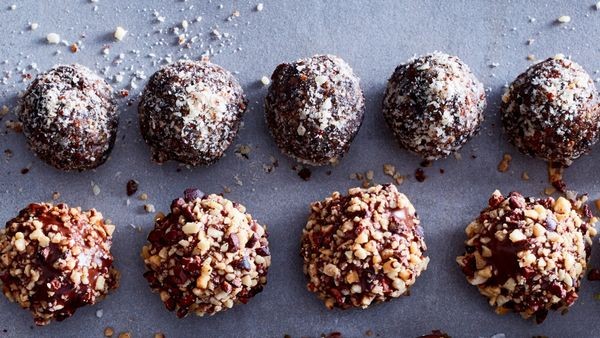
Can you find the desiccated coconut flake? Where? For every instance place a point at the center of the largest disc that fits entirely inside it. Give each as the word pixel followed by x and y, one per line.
pixel 120 33
pixel 265 80
pixel 53 38
pixel 564 19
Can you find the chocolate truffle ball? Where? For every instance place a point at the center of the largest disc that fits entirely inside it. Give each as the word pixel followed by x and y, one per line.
pixel 69 117
pixel 190 111
pixel 56 259
pixel 528 255
pixel 206 255
pixel 363 248
pixel 314 108
pixel 552 111
pixel 434 105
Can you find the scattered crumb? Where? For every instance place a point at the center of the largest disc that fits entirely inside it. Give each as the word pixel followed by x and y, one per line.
pixel 4 111
pixel 525 176
pixel 549 191
pixel 55 195
pixel 564 19
pixel 149 208
pixel 420 175
pixel 109 332
pixel 159 335
pixel 100 313
pixel 594 275
pixel 304 173
pixel 53 38
pixel 597 204
pixel 120 33
pixel 260 7
pixel 458 156
pixel 15 126
pixel 74 48
pixel 598 6
pixel 531 57
pixel 95 189
pixel 33 26
pixel 132 187
pixel 143 196
pixel 243 150
pixel 504 164
pixel 555 176
pixel 124 335
pixel 265 81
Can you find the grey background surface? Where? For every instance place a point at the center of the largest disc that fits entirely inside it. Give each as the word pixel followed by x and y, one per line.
pixel 373 36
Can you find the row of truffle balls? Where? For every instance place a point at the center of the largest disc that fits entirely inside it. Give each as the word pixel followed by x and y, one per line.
pixel 190 111
pixel 208 254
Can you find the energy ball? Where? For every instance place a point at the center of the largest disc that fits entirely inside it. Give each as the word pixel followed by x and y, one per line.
pixel 552 111
pixel 56 259
pixel 69 117
pixel 314 108
pixel 190 111
pixel 363 248
pixel 528 255
pixel 206 255
pixel 434 105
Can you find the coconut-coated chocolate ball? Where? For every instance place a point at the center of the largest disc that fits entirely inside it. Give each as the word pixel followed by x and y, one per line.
pixel 69 117
pixel 528 255
pixel 206 255
pixel 363 248
pixel 552 111
pixel 190 111
pixel 314 108
pixel 434 105
pixel 56 259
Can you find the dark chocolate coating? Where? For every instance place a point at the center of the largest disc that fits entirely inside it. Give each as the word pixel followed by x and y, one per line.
pixel 528 255
pixel 552 111
pixel 314 108
pixel 69 117
pixel 434 105
pixel 190 111
pixel 56 259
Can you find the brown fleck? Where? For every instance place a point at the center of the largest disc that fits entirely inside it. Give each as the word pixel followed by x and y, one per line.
pixel 132 187
pixel 504 164
pixel 420 175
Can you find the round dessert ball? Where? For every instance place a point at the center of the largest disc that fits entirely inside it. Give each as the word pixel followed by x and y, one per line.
pixel 314 108
pixel 528 255
pixel 190 111
pixel 56 259
pixel 552 111
pixel 69 117
pixel 434 105
pixel 363 248
pixel 206 255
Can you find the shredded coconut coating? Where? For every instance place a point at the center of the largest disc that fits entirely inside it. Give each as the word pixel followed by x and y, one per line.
pixel 434 105
pixel 69 117
pixel 205 256
pixel 552 111
pixel 528 255
pixel 363 248
pixel 55 259
pixel 314 108
pixel 190 112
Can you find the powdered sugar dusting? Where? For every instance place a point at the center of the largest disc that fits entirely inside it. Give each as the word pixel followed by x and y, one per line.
pixel 190 112
pixel 434 105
